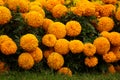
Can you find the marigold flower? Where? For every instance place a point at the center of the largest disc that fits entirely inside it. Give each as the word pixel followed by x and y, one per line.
pixel 48 52
pixel 65 71
pixel 58 29
pixel 109 1
pixel 111 69
pixel 91 61
pixel 25 61
pixel 102 45
pixel 104 34
pixel 37 9
pixel 59 10
pixel 49 40
pixel 116 51
pixel 46 23
pixel 73 28
pixel 114 38
pixel 1 2
pixel 55 61
pixel 117 14
pixel 109 57
pixel 105 24
pixel 37 55
pixel 76 46
pixel 5 15
pixel 77 11
pixel 29 42
pixel 8 47
pixel 89 49
pixel 34 19
pixel 51 3
pixel 62 46
pixel 107 10
pixel 4 38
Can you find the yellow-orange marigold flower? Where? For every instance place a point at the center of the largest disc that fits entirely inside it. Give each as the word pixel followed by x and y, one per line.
pixel 77 11
pixel 48 52
pixel 107 10
pixel 73 28
pixel 105 24
pixel 117 14
pixel 109 57
pixel 29 42
pixel 1 2
pixel 8 47
pixel 55 61
pixel 37 55
pixel 25 61
pixel 114 38
pixel 37 9
pixel 46 23
pixel 89 49
pixel 109 1
pixel 104 34
pixel 65 71
pixel 58 29
pixel 34 19
pixel 4 38
pixel 51 3
pixel 49 40
pixel 59 10
pixel 111 69
pixel 102 45
pixel 116 51
pixel 76 46
pixel 62 46
pixel 5 15
pixel 91 61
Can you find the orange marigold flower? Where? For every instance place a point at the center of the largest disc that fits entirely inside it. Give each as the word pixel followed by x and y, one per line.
pixel 116 51
pixel 59 10
pixel 51 3
pixel 25 61
pixel 65 71
pixel 109 1
pixel 73 28
pixel 55 61
pixel 29 42
pixel 37 55
pixel 117 14
pixel 109 57
pixel 104 34
pixel 62 46
pixel 49 40
pixel 105 24
pixel 46 23
pixel 34 19
pixel 8 47
pixel 48 52
pixel 5 15
pixel 89 49
pixel 77 11
pixel 76 46
pixel 4 38
pixel 111 69
pixel 107 10
pixel 37 9
pixel 35 3
pixel 58 29
pixel 114 38
pixel 91 61
pixel 1 2
pixel 102 45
